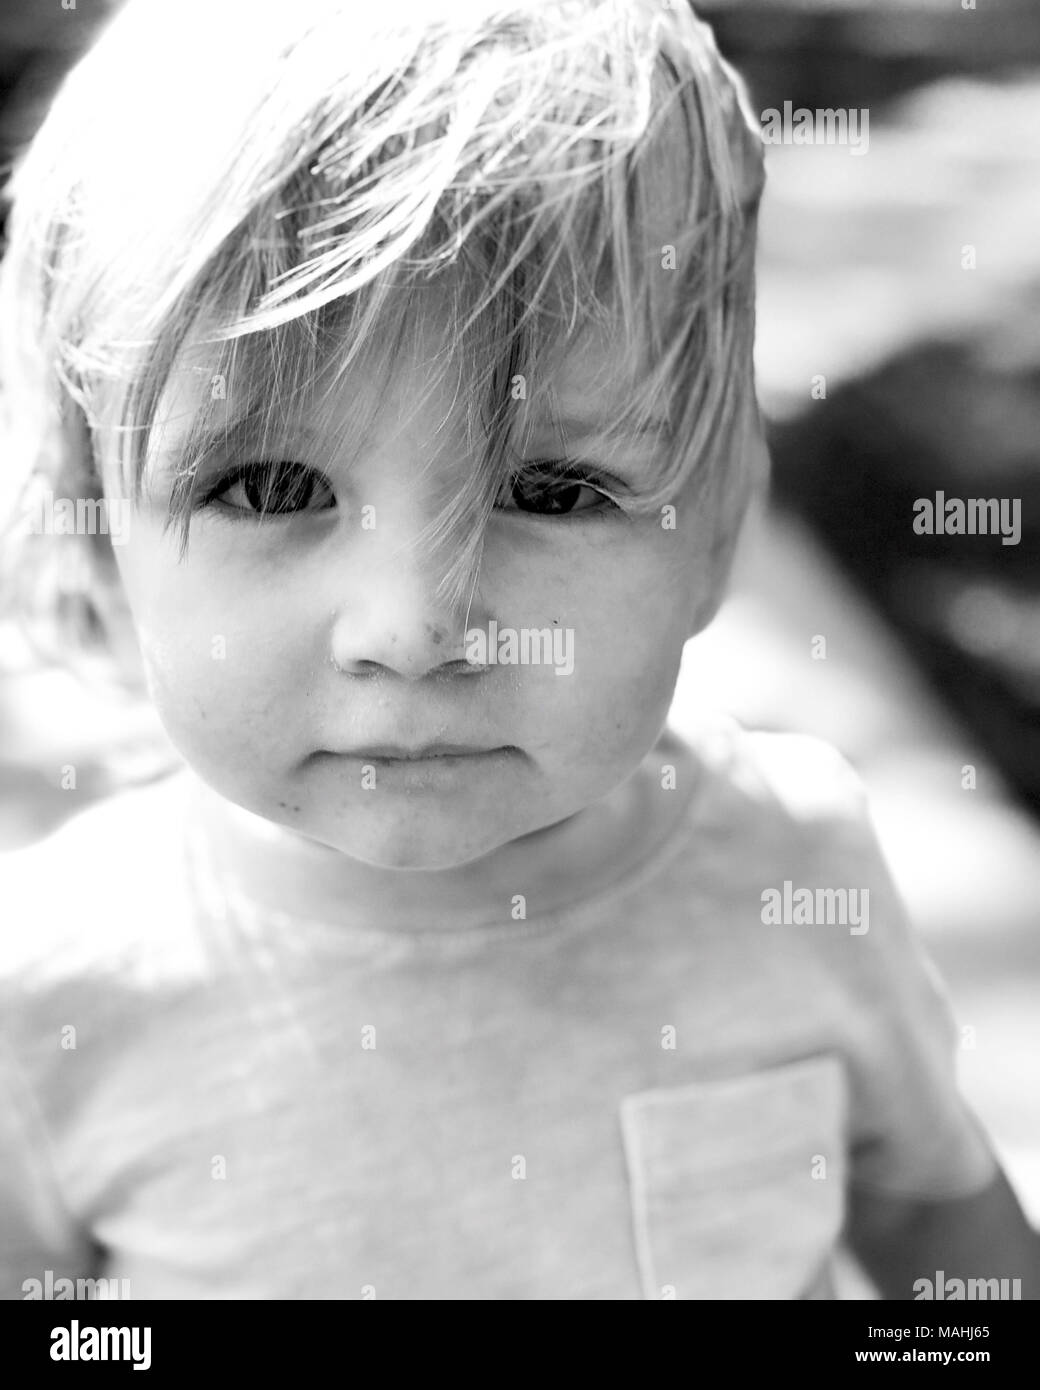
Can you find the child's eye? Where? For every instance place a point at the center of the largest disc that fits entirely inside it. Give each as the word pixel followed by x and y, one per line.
pixel 550 489
pixel 282 488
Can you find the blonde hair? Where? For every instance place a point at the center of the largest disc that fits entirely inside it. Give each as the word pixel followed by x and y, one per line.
pixel 270 182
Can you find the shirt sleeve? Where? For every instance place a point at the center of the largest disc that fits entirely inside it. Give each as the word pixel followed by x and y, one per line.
pixel 38 1236
pixel 916 1135
pixel 912 1133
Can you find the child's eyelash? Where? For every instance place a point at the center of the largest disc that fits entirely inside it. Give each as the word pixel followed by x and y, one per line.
pixel 562 473
pixel 533 489
pixel 262 475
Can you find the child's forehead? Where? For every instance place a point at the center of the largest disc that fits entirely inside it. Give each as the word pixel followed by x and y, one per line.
pixel 576 380
pixel 598 364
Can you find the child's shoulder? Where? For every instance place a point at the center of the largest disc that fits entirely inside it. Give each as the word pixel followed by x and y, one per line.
pixel 765 776
pixel 786 843
pixel 98 894
pixel 798 883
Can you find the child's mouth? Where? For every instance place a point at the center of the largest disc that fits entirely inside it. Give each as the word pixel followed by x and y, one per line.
pixel 388 752
pixel 436 766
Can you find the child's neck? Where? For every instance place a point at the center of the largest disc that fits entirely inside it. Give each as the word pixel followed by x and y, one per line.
pixel 550 869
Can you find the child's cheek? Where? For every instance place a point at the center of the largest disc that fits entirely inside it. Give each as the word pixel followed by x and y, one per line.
pixel 221 665
pixel 628 642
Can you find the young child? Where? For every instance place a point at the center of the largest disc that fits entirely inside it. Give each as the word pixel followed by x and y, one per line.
pixel 386 371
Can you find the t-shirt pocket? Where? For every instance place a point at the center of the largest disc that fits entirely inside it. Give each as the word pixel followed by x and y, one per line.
pixel 737 1185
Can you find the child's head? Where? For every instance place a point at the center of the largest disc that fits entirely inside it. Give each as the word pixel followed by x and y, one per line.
pixel 457 296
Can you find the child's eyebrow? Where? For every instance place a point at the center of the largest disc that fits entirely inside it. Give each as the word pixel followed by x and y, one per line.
pixel 231 438
pixel 582 426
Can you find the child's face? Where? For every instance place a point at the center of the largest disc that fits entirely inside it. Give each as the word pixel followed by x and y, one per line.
pixel 284 659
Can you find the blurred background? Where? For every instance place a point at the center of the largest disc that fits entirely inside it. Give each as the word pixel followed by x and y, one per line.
pixel 931 373
pixel 892 365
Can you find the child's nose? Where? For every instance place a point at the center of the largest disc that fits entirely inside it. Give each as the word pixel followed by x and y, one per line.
pixel 395 621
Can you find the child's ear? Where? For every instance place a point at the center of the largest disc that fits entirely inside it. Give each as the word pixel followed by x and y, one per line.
pixel 735 528
pixel 711 595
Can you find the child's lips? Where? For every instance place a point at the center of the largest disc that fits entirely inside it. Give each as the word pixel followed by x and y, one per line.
pixel 430 766
pixel 399 753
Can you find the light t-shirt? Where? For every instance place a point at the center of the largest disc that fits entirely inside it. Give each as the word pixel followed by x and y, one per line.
pixel 660 1090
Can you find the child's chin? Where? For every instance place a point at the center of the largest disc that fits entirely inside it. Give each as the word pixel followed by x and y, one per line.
pixel 405 849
